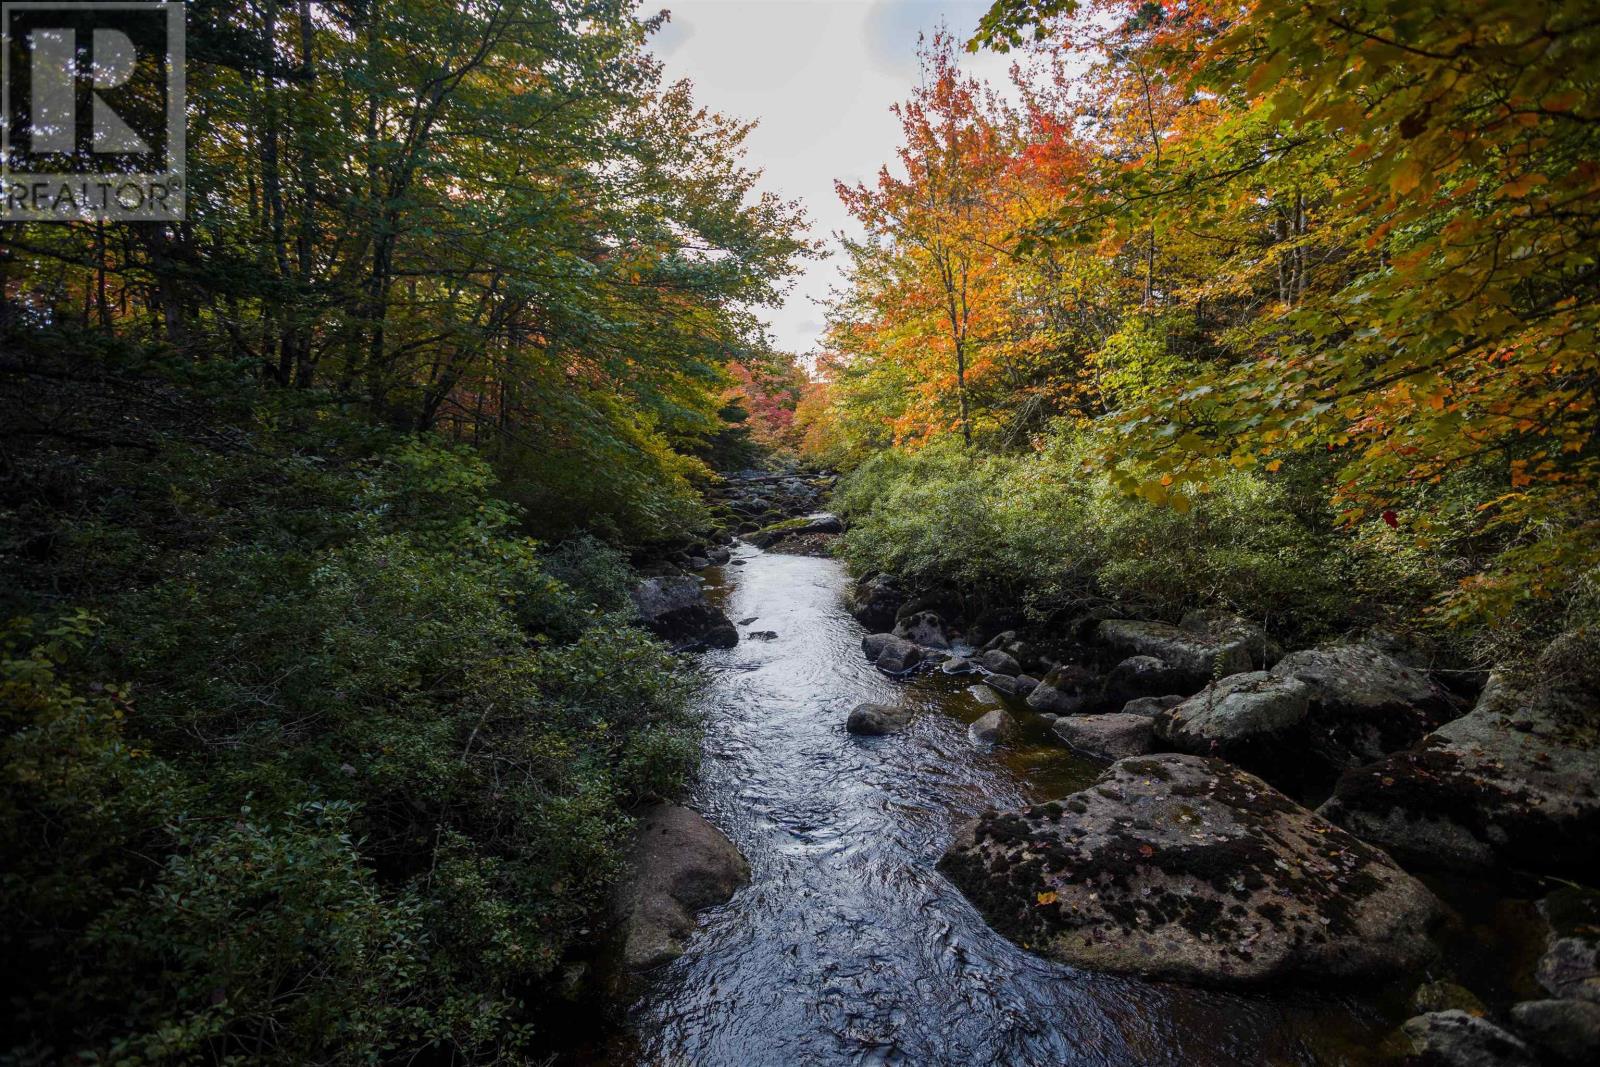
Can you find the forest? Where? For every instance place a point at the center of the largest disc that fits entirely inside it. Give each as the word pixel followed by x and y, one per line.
pixel 328 718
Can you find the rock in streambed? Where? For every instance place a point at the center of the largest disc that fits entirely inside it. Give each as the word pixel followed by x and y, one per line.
pixel 680 864
pixel 1185 867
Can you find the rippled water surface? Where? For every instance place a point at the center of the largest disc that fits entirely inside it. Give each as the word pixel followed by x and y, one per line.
pixel 848 946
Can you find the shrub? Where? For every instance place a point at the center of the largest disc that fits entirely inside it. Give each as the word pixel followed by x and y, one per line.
pixel 1043 531
pixel 370 788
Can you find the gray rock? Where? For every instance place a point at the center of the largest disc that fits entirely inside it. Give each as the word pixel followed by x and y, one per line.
pixel 719 555
pixel 1026 684
pixel 993 728
pixel 1002 683
pixel 1515 783
pixel 1000 640
pixel 958 665
pixel 1188 868
pixel 1318 712
pixel 1141 676
pixel 1456 1039
pixel 1226 626
pixel 874 720
pixel 1106 736
pixel 1066 690
pixel 876 600
pixel 680 864
pixel 895 655
pixel 1366 702
pixel 675 609
pixel 1570 966
pixel 999 661
pixel 762 635
pixel 924 628
pixel 1207 645
pixel 1248 719
pixel 1150 707
pixel 1565 1030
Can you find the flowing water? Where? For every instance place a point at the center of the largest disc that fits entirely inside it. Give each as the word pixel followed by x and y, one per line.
pixel 848 946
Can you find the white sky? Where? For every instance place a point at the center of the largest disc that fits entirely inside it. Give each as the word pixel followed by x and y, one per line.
pixel 819 75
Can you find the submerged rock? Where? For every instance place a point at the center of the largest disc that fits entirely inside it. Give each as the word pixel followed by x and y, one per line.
pixel 1515 783
pixel 1185 867
pixel 875 720
pixel 1106 736
pixel 680 864
pixel 675 609
pixel 1456 1039
pixel 993 728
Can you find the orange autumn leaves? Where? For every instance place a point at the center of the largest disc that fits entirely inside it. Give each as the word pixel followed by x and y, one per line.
pixel 1361 243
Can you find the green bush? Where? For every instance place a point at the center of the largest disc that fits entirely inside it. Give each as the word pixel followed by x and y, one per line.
pixel 369 789
pixel 1043 531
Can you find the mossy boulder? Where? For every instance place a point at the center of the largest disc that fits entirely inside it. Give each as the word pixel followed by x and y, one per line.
pixel 1185 867
pixel 1513 784
pixel 1313 715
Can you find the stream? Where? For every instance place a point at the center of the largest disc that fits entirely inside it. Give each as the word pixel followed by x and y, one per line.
pixel 848 946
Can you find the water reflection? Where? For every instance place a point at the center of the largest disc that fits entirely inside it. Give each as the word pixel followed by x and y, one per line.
pixel 848 946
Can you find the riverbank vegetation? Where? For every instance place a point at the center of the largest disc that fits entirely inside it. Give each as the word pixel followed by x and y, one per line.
pixel 324 715
pixel 1288 307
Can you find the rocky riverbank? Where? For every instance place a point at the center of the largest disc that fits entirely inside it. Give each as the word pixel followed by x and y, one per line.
pixel 1270 811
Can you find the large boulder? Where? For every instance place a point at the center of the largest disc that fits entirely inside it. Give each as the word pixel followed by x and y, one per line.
pixel 1370 702
pixel 1110 737
pixel 876 600
pixel 1244 718
pixel 1513 784
pixel 1203 646
pixel 1457 1039
pixel 875 720
pixel 680 864
pixel 891 654
pixel 923 628
pixel 1313 715
pixel 1067 690
pixel 675 608
pixel 1186 867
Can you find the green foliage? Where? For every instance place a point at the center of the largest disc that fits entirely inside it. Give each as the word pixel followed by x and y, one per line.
pixel 370 787
pixel 1048 529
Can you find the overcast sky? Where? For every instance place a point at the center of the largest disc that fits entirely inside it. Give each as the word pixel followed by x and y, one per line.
pixel 819 75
